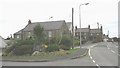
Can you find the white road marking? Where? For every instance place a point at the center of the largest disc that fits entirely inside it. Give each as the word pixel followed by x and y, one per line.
pixel 97 65
pixel 89 52
pixel 112 51
pixel 91 57
pixel 93 61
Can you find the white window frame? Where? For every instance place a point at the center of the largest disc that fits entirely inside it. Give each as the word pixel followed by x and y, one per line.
pixel 18 36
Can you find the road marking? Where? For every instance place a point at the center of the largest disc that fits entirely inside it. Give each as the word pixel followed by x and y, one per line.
pixel 89 52
pixel 97 65
pixel 93 61
pixel 91 57
pixel 112 51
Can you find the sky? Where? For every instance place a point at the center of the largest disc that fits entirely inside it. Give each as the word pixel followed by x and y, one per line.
pixel 14 14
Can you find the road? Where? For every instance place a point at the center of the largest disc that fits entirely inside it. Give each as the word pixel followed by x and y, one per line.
pixel 99 54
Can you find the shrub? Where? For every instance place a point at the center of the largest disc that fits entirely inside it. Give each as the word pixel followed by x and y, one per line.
pixel 23 50
pixel 76 42
pixel 66 42
pixel 21 47
pixel 64 47
pixel 52 47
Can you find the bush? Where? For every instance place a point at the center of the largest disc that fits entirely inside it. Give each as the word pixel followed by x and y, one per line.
pixel 66 42
pixel 23 50
pixel 52 47
pixel 76 42
pixel 21 47
pixel 64 47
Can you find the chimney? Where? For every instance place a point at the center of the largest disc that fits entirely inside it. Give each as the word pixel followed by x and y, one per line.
pixel 75 27
pixel 101 26
pixel 88 26
pixel 98 24
pixel 29 22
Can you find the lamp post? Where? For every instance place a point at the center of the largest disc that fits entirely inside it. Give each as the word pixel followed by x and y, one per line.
pixel 80 18
pixel 49 32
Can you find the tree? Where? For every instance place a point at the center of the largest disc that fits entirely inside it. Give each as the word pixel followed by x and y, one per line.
pixel 39 35
pixel 66 42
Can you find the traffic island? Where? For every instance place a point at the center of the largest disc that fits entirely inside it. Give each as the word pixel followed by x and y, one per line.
pixel 76 54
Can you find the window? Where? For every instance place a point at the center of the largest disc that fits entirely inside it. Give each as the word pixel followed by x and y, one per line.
pixel 29 34
pixel 18 36
pixel 50 34
pixel 97 33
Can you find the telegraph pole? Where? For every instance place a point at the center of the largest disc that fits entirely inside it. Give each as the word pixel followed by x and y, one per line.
pixel 72 28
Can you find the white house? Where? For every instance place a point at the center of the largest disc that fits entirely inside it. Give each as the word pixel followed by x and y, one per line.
pixel 3 44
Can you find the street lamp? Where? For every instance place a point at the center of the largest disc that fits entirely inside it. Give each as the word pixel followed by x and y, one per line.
pixel 80 18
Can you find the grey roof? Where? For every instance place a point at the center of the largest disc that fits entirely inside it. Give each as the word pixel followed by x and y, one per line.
pixel 19 32
pixel 87 30
pixel 50 25
pixel 82 30
pixel 95 30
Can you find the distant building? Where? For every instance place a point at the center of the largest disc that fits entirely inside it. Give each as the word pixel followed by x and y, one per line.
pixel 69 25
pixel 88 34
pixel 3 44
pixel 52 28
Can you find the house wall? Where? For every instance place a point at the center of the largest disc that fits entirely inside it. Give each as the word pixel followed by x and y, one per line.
pixel 64 30
pixel 17 36
pixel 87 36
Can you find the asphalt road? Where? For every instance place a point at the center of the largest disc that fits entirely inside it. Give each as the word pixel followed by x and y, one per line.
pixel 104 54
pixel 100 54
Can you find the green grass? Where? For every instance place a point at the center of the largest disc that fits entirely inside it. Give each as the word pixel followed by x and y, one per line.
pixel 46 54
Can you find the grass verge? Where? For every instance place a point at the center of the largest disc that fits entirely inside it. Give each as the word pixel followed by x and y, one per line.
pixel 43 54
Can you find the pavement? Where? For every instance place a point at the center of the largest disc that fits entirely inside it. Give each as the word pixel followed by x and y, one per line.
pixel 79 53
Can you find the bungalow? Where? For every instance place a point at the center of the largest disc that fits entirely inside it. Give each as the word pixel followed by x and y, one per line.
pixel 51 28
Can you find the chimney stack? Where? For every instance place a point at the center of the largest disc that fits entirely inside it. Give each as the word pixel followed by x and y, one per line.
pixel 88 26
pixel 29 22
pixel 101 26
pixel 98 24
pixel 75 27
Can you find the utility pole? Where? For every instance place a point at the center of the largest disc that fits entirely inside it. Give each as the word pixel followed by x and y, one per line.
pixel 108 33
pixel 72 28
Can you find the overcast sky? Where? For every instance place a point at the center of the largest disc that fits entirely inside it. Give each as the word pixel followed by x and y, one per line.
pixel 14 14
